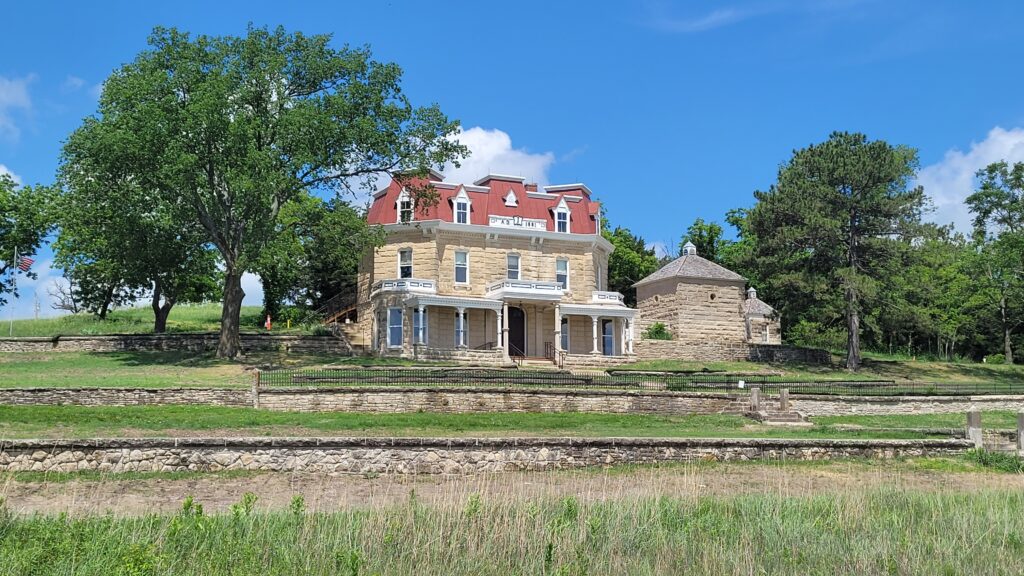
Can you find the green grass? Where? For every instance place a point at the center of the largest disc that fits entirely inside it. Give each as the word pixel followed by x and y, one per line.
pixel 183 318
pixel 873 369
pixel 998 419
pixel 141 369
pixel 88 421
pixel 861 531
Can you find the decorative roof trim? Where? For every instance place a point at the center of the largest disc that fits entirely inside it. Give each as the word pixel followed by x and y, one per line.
pixel 505 177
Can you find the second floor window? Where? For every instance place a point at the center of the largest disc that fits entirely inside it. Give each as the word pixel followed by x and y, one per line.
pixel 562 221
pixel 461 212
pixel 405 263
pixel 461 267
pixel 562 273
pixel 513 266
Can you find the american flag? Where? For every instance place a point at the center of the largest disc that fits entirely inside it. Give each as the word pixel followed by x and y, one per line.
pixel 24 263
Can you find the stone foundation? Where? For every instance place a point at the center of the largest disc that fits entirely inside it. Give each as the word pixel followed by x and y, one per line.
pixel 430 455
pixel 826 405
pixel 710 351
pixel 199 342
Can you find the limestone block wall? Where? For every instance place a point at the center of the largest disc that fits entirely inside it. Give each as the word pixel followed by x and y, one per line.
pixel 764 331
pixel 694 311
pixel 237 397
pixel 712 351
pixel 196 342
pixel 430 455
pixel 826 405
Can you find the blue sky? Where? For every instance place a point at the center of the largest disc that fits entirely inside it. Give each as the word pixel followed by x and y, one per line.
pixel 667 110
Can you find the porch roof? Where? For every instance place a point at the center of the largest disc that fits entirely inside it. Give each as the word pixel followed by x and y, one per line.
pixel 597 310
pixel 453 301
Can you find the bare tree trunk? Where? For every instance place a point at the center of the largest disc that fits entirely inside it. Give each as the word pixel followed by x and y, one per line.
pixel 160 312
pixel 1005 323
pixel 853 332
pixel 230 345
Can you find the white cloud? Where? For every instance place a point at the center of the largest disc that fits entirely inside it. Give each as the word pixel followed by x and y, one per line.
pixel 72 83
pixel 32 290
pixel 950 181
pixel 491 152
pixel 13 96
pixel 6 170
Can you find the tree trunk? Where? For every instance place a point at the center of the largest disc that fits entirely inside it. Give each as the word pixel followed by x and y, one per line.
pixel 853 332
pixel 160 312
pixel 230 345
pixel 108 297
pixel 1005 323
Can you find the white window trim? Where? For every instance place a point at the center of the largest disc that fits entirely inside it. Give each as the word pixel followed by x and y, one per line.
pixel 563 208
pixel 567 274
pixel 412 270
pixel 510 199
pixel 403 197
pixel 456 267
pixel 401 324
pixel 519 266
pixel 464 198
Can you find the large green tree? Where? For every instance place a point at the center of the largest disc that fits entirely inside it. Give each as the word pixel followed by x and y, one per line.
pixel 998 209
pixel 631 261
pixel 119 240
pixel 706 237
pixel 230 129
pixel 26 218
pixel 825 228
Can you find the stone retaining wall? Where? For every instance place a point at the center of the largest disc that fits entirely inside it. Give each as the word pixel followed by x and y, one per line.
pixel 198 342
pixel 461 400
pixel 826 405
pixel 430 455
pixel 727 352
pixel 239 397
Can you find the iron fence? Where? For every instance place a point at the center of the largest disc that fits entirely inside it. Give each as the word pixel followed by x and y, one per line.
pixel 621 380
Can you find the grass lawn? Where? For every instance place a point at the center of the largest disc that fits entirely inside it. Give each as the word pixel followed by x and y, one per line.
pixel 85 422
pixel 183 318
pixel 873 369
pixel 859 531
pixel 1003 420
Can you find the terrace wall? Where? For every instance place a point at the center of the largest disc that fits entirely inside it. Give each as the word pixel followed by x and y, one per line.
pixel 238 397
pixel 711 351
pixel 199 342
pixel 430 455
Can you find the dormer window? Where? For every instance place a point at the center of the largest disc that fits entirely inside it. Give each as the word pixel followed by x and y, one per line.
pixel 510 198
pixel 461 206
pixel 404 206
pixel 562 217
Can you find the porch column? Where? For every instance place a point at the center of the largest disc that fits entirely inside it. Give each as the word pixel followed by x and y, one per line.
pixel 596 350
pixel 504 331
pixel 421 336
pixel 461 323
pixel 622 336
pixel 629 338
pixel 558 328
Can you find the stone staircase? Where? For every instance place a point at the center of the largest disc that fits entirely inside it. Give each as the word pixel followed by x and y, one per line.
pixel 782 415
pixel 355 337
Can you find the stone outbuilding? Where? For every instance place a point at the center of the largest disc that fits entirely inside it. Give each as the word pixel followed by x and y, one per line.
pixel 702 304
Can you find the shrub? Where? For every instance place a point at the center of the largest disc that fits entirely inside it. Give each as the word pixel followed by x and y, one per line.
pixel 657 331
pixel 995 359
pixel 1004 462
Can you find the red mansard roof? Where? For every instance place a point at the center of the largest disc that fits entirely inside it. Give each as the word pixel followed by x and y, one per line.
pixel 487 198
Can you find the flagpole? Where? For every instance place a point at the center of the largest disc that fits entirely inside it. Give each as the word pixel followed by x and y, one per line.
pixel 14 288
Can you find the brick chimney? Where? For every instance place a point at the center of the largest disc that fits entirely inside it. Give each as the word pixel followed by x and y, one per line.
pixel 532 187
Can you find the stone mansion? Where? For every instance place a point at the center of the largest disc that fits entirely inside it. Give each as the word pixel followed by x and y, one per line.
pixel 502 270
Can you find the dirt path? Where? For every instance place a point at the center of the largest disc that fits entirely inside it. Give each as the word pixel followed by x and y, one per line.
pixel 323 492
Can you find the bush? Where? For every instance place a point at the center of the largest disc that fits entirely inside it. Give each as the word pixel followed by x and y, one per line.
pixel 657 331
pixel 1004 462
pixel 995 359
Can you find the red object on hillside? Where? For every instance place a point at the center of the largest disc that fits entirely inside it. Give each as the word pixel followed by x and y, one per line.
pixel 267 324
pixel 490 203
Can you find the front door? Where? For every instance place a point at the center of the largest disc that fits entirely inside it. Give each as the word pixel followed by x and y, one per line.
pixel 516 331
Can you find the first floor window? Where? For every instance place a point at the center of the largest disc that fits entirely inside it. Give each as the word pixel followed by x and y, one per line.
pixel 513 266
pixel 562 273
pixel 565 334
pixel 461 267
pixel 419 325
pixel 394 327
pixel 405 263
pixel 461 337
